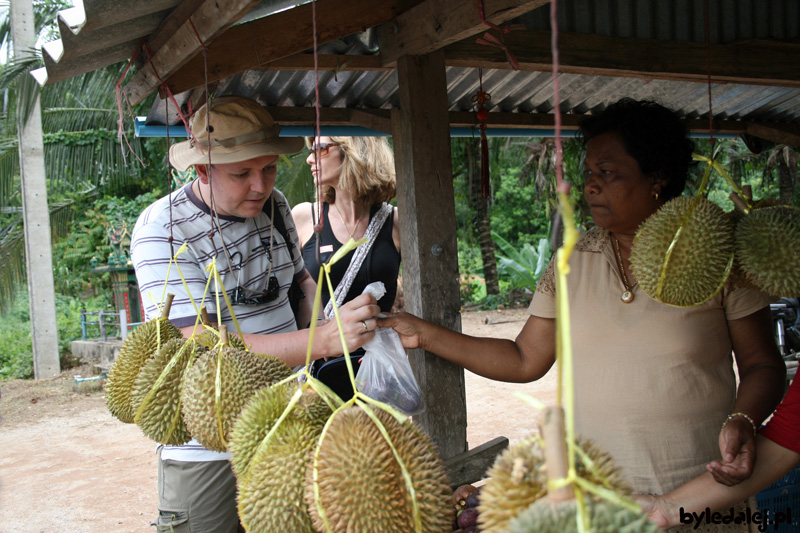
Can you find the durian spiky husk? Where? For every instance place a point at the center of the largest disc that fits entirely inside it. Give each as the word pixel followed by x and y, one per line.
pixel 208 339
pixel 262 412
pixel 517 479
pixel 768 249
pixel 700 257
pixel 209 417
pixel 271 482
pixel 139 346
pixel 545 516
pixel 160 418
pixel 361 487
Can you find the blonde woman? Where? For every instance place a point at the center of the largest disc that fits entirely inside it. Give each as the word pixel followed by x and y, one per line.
pixel 355 179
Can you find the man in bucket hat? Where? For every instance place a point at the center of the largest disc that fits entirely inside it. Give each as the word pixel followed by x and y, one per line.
pixel 226 216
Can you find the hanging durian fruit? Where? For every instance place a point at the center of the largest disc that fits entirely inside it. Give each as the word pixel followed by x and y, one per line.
pixel 356 483
pixel 219 384
pixel 263 411
pixel 558 510
pixel 683 253
pixel 208 338
pixel 768 249
pixel 156 396
pixel 139 346
pixel 518 478
pixel 271 480
pixel 604 517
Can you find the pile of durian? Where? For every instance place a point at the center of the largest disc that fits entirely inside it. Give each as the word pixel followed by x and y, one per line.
pixel 690 248
pixel 176 389
pixel 303 460
pixel 306 462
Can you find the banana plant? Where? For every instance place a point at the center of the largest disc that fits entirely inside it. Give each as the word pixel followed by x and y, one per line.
pixel 525 266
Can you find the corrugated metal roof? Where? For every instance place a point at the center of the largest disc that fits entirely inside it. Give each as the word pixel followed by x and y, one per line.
pixel 99 40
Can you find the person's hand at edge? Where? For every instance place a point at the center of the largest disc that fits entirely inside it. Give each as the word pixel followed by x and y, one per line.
pixel 407 326
pixel 738 447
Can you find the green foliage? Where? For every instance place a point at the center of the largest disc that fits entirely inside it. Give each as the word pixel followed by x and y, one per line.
pixel 514 214
pixel 89 239
pixel 16 360
pixel 294 178
pixel 16 351
pixel 522 267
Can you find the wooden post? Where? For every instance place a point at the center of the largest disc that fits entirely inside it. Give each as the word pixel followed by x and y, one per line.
pixel 421 134
pixel 35 212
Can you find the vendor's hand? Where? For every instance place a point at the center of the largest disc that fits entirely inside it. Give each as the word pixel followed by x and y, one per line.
pixel 737 443
pixel 358 326
pixel 407 326
pixel 655 509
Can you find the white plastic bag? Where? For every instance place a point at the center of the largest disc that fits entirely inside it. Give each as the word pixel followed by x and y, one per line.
pixel 385 373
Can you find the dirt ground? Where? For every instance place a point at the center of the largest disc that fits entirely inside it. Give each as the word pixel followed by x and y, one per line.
pixel 68 466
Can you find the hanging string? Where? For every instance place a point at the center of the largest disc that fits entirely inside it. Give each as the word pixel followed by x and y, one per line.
pixel 317 221
pixel 561 185
pixel 708 71
pixel 209 129
pixel 119 94
pixel 170 96
pixel 171 238
pixel 482 114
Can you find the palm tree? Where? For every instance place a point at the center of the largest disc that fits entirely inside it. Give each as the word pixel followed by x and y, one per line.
pixel 81 148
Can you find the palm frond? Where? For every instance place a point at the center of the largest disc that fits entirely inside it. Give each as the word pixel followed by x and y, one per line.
pixel 9 170
pixel 295 180
pixel 12 250
pixel 12 275
pixel 18 68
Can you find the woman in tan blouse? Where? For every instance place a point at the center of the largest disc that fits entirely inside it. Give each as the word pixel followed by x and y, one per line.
pixel 653 382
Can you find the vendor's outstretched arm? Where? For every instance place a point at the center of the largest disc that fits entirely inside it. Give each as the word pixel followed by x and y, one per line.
pixel 528 358
pixel 774 462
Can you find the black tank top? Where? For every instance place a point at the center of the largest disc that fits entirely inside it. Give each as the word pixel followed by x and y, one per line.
pixel 382 263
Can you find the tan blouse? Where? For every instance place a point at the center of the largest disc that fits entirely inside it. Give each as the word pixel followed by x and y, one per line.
pixel 653 383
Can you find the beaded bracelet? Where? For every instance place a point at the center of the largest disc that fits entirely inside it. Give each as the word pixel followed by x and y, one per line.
pixel 734 415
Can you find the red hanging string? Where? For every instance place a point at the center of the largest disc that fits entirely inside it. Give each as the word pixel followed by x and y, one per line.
pixel 481 98
pixel 118 93
pixel 490 40
pixel 561 185
pixel 171 97
pixel 708 71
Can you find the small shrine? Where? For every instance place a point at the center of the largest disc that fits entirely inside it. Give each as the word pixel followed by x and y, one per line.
pixel 119 264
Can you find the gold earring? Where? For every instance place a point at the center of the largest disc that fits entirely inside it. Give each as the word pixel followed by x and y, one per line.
pixel 655 196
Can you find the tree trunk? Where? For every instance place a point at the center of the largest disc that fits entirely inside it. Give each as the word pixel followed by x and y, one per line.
pixel 787 175
pixel 482 224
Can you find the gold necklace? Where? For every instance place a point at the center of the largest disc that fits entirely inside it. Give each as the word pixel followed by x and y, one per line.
pixel 347 229
pixel 627 295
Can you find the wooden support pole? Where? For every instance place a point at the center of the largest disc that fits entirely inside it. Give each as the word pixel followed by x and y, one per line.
pixel 428 235
pixel 36 215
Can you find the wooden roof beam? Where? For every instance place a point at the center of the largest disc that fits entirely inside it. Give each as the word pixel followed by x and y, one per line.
pixel 788 134
pixel 374 119
pixel 327 62
pixel 753 62
pixel 258 43
pixel 380 120
pixel 182 41
pixel 434 24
